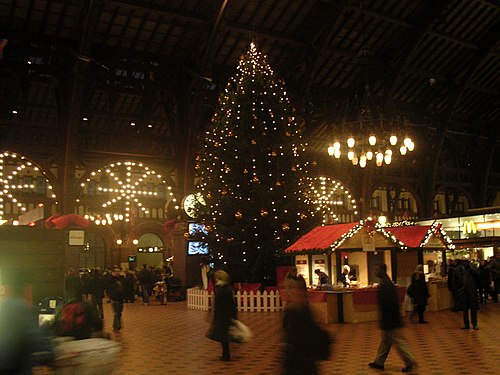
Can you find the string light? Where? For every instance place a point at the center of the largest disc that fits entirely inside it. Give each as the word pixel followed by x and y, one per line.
pixel 124 187
pixel 250 156
pixel 13 170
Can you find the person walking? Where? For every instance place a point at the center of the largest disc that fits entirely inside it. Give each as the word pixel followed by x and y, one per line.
pixel 297 323
pixel 116 293
pixel 419 292
pixel 23 345
pixel 390 323
pixel 96 288
pixel 224 312
pixel 146 280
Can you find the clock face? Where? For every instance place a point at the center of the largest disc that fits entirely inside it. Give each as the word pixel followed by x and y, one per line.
pixel 190 203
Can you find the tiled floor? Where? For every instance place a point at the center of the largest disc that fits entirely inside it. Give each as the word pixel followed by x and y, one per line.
pixel 171 340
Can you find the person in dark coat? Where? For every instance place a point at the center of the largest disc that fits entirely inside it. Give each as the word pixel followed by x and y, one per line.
pixel 451 286
pixel 297 324
pixel 146 280
pixel 96 288
pixel 466 285
pixel 484 282
pixel 224 312
pixel 419 292
pixel 72 285
pixel 116 293
pixel 390 323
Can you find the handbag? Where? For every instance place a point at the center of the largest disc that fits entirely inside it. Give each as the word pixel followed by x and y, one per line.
pixel 239 332
pixel 212 333
pixel 411 290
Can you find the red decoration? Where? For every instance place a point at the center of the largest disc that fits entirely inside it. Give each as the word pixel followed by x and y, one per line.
pixel 61 222
pixel 321 237
pixel 169 225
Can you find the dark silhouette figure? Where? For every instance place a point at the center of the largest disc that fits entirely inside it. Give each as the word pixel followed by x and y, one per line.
pixel 390 323
pixel 224 312
pixel 419 292
pixel 466 285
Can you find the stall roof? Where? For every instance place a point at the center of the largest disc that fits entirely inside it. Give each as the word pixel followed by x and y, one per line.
pixel 331 237
pixel 321 238
pixel 412 236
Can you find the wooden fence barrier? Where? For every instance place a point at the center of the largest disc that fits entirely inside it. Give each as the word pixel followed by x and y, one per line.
pixel 200 299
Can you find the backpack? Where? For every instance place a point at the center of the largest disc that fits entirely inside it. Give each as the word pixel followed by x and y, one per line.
pixel 72 318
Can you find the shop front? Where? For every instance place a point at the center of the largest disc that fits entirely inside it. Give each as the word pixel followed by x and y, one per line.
pixel 359 247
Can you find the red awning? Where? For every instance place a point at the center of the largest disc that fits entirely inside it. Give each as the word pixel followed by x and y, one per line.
pixel 61 222
pixel 321 238
pixel 411 236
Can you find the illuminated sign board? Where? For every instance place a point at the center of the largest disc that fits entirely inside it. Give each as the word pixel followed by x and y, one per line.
pixel 472 227
pixel 469 227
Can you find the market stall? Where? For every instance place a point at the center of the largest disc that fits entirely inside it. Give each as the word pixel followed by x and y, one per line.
pixel 362 245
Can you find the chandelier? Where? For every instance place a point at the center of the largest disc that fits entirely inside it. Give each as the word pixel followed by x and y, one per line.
pixel 362 144
pixel 370 130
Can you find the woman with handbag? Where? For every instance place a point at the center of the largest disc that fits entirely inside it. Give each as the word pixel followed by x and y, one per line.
pixel 224 312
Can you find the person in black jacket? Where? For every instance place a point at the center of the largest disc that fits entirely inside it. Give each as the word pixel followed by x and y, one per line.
pixel 298 327
pixel 116 293
pixel 465 282
pixel 390 323
pixel 96 288
pixel 224 312
pixel 419 292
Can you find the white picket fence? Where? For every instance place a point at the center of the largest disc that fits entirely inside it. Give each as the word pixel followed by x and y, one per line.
pixel 200 299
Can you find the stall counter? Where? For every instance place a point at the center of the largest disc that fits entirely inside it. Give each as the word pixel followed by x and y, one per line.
pixel 440 298
pixel 350 305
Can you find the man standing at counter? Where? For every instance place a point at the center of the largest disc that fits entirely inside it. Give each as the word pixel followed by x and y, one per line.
pixel 390 323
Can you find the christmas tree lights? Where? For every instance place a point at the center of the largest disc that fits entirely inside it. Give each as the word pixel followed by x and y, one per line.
pixel 250 168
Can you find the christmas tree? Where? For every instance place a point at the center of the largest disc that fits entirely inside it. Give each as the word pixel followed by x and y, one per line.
pixel 251 166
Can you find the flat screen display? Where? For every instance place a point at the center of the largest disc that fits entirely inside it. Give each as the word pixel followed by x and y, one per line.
pixel 197 248
pixel 196 228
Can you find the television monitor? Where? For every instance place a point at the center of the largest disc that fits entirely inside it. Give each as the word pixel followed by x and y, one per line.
pixel 197 248
pixel 196 228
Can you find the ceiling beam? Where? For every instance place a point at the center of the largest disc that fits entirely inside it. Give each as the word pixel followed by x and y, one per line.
pixel 432 11
pixel 152 7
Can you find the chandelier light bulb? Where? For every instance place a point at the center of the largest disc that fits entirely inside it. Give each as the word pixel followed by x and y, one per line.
pixel 393 140
pixel 388 152
pixel 372 140
pixel 387 159
pixel 411 146
pixel 403 150
pixel 407 141
pixel 355 160
pixel 336 153
pixel 369 155
pixel 350 142
pixel 379 158
pixel 336 145
pixel 362 162
pixel 331 150
pixel 350 155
